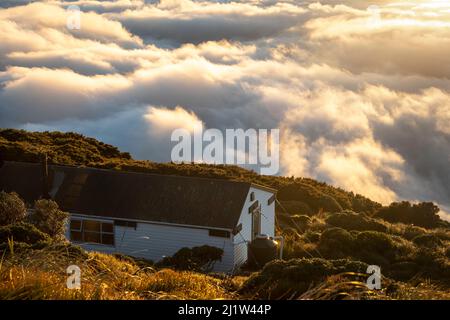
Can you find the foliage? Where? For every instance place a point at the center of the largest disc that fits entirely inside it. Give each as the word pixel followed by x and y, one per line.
pixel 196 258
pixel 424 214
pixel 22 232
pixel 428 240
pixel 352 221
pixel 12 208
pixel 289 279
pixel 48 218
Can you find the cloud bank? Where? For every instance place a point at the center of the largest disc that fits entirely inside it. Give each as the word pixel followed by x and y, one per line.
pixel 359 89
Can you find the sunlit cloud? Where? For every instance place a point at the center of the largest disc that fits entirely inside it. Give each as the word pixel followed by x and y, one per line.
pixel 359 89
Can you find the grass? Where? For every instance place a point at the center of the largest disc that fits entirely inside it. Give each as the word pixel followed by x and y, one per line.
pixel 41 274
pixel 29 274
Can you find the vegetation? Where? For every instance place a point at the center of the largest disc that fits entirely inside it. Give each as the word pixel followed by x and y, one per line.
pixel 330 237
pixel 195 259
pixel 12 208
pixel 48 218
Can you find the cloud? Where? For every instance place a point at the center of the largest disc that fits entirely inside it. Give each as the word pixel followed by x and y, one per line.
pixel 361 100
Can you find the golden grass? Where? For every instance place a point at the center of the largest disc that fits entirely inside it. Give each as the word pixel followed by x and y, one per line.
pixel 41 274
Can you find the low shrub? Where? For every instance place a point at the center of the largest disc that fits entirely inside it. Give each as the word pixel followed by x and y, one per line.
pixel 12 208
pixel 48 218
pixel 336 243
pixel 301 222
pixel 352 221
pixel 22 232
pixel 194 259
pixel 410 232
pixel 428 240
pixel 289 279
pixel 311 236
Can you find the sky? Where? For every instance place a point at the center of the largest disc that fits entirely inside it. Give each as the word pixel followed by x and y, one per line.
pixel 360 90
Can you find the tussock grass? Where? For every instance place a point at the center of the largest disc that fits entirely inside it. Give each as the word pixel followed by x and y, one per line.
pixel 41 274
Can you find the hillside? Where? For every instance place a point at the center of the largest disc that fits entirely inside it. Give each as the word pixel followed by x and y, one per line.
pixel 78 150
pixel 331 236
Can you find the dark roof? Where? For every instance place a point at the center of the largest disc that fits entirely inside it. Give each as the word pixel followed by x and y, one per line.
pixel 126 195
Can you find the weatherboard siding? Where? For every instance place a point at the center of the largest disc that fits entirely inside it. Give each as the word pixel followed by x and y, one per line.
pixel 155 241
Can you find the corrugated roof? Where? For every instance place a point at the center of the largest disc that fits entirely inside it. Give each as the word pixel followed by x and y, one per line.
pixel 150 197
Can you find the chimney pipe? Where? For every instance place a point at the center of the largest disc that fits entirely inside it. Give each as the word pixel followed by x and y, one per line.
pixel 44 165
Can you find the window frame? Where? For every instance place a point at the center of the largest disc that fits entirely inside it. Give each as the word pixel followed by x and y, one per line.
pixel 100 233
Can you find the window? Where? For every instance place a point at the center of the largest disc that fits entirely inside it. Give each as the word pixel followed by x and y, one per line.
pixel 124 223
pixel 219 233
pixel 92 231
pixel 75 230
pixel 271 200
pixel 252 196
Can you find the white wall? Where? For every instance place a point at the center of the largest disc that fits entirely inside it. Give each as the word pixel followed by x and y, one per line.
pixel 267 223
pixel 154 241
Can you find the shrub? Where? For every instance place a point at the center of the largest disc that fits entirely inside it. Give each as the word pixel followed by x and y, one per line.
pixel 336 243
pixel 301 222
pixel 428 240
pixel 22 232
pixel 196 258
pixel 48 218
pixel 352 221
pixel 312 236
pixel 447 252
pixel 404 270
pixel 288 279
pixel 310 195
pixel 12 208
pixel 424 214
pixel 410 232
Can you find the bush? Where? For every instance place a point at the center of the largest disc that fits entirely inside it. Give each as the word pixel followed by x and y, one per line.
pixel 48 218
pixel 12 208
pixel 352 221
pixel 288 279
pixel 311 196
pixel 312 236
pixel 22 232
pixel 301 222
pixel 424 214
pixel 410 232
pixel 336 243
pixel 195 259
pixel 404 270
pixel 428 240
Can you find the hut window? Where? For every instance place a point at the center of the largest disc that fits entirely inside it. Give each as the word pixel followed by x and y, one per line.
pixel 252 196
pixel 219 233
pixel 124 223
pixel 75 230
pixel 92 231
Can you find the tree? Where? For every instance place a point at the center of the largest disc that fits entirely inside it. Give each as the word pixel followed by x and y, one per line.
pixel 48 218
pixel 12 208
